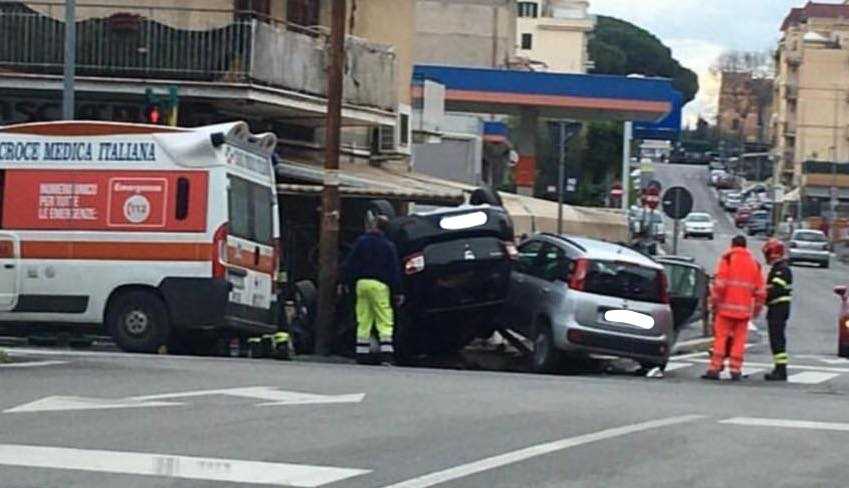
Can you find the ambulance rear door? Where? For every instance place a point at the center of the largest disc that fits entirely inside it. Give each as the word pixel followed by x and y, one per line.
pixel 250 253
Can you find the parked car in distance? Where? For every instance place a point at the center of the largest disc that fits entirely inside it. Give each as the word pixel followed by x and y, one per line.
pixel 653 218
pixel 715 175
pixel 843 321
pixel 699 224
pixel 580 296
pixel 760 222
pixel 732 201
pixel 741 217
pixel 728 182
pixel 809 246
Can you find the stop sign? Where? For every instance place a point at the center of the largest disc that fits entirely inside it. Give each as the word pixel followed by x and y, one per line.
pixel 651 199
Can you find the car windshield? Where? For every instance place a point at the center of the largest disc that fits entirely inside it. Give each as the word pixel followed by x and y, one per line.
pixel 623 280
pixel 698 218
pixel 809 237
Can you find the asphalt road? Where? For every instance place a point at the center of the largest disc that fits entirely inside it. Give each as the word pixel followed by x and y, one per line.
pixel 100 419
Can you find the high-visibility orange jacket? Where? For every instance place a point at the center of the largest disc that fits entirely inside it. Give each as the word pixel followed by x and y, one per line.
pixel 739 289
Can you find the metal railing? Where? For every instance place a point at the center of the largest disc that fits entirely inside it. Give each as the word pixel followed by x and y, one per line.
pixel 189 44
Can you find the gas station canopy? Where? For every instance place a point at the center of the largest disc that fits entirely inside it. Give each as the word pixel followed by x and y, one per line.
pixel 553 95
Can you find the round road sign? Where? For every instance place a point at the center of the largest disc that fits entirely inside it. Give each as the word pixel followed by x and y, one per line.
pixel 677 202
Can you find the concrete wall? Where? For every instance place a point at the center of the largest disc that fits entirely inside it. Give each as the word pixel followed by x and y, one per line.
pixel 456 158
pixel 479 33
pixel 823 112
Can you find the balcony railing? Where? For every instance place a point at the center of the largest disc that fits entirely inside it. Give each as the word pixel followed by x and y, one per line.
pixel 191 45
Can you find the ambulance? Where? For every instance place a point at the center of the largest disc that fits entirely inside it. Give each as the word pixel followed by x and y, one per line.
pixel 164 236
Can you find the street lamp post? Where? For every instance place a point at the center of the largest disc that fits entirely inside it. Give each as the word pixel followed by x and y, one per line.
pixel 68 112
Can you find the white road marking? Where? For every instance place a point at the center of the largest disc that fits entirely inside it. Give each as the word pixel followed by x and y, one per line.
pixel 33 364
pixel 170 466
pixel 788 424
pixel 789 366
pixel 501 460
pixel 747 371
pixel 273 397
pixel 688 356
pixel 811 377
pixel 23 351
pixel 671 366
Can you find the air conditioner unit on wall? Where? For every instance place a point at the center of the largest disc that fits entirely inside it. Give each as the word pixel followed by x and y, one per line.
pixel 388 140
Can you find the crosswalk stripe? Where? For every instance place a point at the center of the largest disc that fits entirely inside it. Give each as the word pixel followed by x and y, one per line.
pixel 185 467
pixel 674 366
pixel 811 377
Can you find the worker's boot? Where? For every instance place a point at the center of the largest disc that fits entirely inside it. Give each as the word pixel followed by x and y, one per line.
pixel 779 373
pixel 711 375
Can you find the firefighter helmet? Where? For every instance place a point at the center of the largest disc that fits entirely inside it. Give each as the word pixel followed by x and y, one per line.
pixel 774 250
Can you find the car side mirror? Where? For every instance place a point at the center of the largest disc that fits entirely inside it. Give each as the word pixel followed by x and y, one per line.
pixel 841 291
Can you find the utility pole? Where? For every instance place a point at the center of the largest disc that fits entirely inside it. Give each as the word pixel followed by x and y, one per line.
pixel 561 176
pixel 68 111
pixel 626 164
pixel 329 240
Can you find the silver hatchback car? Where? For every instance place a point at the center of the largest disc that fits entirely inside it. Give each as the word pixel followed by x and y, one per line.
pixel 580 296
pixel 810 246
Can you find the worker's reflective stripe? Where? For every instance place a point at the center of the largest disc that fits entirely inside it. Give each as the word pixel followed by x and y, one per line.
pixel 734 306
pixel 781 358
pixel 386 347
pixel 740 284
pixel 363 348
pixel 785 299
pixel 778 281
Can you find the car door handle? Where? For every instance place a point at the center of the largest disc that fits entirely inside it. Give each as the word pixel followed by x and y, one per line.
pixel 9 266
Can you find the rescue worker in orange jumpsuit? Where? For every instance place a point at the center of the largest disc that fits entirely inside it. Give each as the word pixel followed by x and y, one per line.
pixel 737 296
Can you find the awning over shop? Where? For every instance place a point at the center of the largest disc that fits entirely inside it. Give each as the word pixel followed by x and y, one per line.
pixel 529 214
pixel 535 215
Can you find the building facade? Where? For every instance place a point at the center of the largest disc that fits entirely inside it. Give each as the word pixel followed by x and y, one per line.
pixel 552 35
pixel 745 107
pixel 811 106
pixel 262 61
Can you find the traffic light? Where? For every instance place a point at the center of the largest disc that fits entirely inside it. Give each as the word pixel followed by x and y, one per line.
pixel 161 110
pixel 152 110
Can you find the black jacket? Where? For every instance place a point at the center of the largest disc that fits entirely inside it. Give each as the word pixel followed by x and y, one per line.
pixel 374 257
pixel 779 284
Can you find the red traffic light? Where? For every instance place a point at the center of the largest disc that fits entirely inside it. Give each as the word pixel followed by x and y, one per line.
pixel 153 115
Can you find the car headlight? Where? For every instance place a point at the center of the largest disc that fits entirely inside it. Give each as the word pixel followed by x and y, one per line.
pixel 846 323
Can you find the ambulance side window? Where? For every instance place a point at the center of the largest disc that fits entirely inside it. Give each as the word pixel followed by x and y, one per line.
pixel 251 211
pixel 182 209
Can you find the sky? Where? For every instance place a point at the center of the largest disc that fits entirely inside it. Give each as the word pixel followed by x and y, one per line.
pixel 698 31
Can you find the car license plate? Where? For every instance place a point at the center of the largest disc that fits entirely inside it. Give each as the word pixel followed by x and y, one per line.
pixel 629 317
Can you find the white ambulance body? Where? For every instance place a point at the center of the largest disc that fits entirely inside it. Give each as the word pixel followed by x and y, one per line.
pixel 164 235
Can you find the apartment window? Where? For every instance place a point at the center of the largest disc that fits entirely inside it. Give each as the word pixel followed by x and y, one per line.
pixel 303 12
pixel 404 126
pixel 527 41
pixel 528 9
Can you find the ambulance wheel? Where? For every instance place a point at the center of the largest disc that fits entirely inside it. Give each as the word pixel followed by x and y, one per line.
pixel 138 321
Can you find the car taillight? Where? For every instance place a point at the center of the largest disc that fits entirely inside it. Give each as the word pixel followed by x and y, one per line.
pixel 414 263
pixel 219 251
pixel 512 252
pixel 579 275
pixel 663 293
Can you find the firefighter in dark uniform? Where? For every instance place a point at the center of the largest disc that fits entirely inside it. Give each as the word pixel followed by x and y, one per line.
pixel 779 296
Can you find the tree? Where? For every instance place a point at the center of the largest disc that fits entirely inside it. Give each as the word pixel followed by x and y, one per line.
pixel 746 87
pixel 621 48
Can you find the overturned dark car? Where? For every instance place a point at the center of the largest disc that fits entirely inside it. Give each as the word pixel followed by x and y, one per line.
pixel 456 264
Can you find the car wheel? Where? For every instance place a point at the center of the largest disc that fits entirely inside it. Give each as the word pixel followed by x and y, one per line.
pixel 376 208
pixel 485 196
pixel 710 237
pixel 546 358
pixel 139 322
pixel 646 366
pixel 825 264
pixel 843 350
